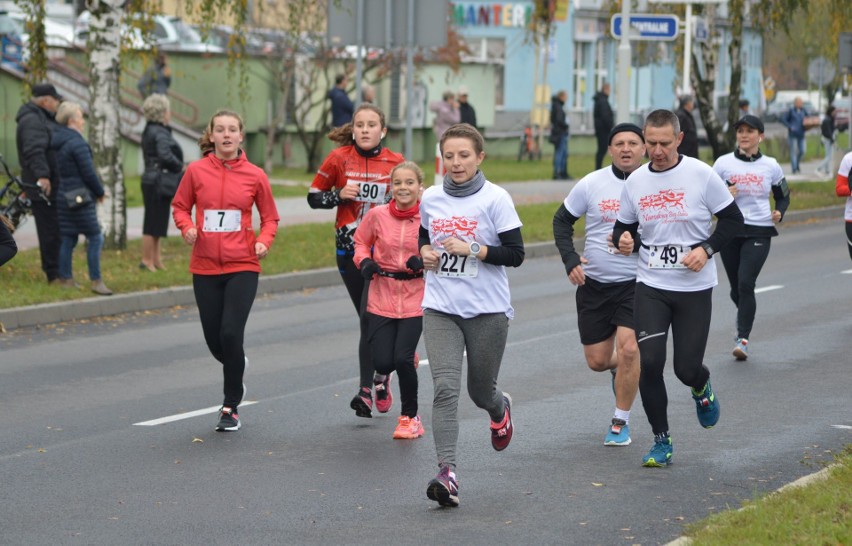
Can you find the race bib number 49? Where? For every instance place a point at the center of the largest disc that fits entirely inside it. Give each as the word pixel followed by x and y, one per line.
pixel 451 265
pixel 667 257
pixel 370 192
pixel 222 220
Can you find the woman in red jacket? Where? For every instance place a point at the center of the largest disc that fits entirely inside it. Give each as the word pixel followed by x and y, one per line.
pixel 386 252
pixel 355 178
pixel 223 187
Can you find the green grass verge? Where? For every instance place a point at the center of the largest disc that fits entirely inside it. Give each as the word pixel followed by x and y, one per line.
pixel 818 513
pixel 298 248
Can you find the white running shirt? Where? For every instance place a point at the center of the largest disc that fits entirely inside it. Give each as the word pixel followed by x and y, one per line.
pixel 754 181
pixel 479 217
pixel 597 196
pixel 674 208
pixel 845 166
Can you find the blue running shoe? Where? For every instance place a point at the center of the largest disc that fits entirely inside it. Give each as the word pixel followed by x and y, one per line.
pixel 660 455
pixel 741 349
pixel 618 434
pixel 707 406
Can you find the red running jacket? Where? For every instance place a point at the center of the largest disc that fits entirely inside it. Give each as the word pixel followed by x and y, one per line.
pixel 225 186
pixel 390 242
pixel 344 164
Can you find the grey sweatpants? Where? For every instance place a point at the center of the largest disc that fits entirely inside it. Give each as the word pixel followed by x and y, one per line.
pixel 447 337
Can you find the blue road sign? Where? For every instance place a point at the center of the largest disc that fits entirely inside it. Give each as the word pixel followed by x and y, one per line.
pixel 647 27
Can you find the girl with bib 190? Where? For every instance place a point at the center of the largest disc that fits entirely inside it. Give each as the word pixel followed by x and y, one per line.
pixel 355 178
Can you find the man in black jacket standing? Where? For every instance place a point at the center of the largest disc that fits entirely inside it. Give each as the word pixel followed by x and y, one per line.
pixel 604 122
pixel 466 111
pixel 559 135
pixel 689 144
pixel 36 122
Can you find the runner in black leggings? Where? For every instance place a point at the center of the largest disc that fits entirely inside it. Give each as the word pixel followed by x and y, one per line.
pixel 751 177
pixel 671 202
pixel 223 187
pixel 355 178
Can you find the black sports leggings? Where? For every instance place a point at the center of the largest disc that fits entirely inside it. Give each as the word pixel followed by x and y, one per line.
pixel 688 315
pixel 224 302
pixel 849 237
pixel 392 344
pixel 743 259
pixel 358 289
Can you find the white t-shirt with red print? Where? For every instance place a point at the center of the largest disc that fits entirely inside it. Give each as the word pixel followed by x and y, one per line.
pixel 754 181
pixel 597 196
pixel 468 287
pixel 843 183
pixel 674 209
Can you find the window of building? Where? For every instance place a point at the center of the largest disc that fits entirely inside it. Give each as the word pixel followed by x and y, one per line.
pixel 490 51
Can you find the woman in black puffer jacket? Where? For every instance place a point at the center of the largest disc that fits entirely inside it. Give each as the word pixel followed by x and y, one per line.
pixel 79 187
pixel 161 152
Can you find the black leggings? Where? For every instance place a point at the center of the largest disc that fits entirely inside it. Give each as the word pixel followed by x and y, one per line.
pixel 392 344
pixel 743 259
pixel 849 237
pixel 688 315
pixel 224 302
pixel 358 289
pixel 603 146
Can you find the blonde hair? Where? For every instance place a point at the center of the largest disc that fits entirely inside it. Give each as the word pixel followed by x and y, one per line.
pixel 342 135
pixel 204 141
pixel 67 111
pixel 155 108
pixel 411 166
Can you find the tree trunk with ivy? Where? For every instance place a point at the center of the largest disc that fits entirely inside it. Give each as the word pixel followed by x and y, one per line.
pixel 104 121
pixel 37 46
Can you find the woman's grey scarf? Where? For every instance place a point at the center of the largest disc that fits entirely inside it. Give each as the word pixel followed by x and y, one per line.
pixel 463 190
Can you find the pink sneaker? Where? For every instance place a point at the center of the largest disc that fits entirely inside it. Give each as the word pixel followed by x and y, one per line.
pixel 408 428
pixel 501 433
pixel 384 396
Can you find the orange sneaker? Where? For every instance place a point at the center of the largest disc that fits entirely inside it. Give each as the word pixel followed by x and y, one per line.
pixel 408 428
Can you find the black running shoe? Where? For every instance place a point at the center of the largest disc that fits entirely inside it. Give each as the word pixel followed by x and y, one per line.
pixel 228 419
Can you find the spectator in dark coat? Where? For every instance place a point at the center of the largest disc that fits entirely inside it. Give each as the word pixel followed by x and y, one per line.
pixel 341 105
pixel 160 151
pixel 36 123
pixel 77 174
pixel 604 122
pixel 8 248
pixel 689 144
pixel 559 135
pixel 794 120
pixel 466 112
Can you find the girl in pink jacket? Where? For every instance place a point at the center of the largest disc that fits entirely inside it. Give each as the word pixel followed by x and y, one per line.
pixel 386 253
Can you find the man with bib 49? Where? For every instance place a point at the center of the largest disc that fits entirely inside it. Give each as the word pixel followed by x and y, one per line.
pixel 671 201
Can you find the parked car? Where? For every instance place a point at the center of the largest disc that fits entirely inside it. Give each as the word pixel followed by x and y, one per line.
pixel 57 33
pixel 167 33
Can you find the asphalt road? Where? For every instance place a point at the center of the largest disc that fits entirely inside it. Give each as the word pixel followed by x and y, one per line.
pixel 78 467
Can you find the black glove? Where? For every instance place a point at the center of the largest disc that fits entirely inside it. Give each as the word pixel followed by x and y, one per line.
pixel 368 268
pixel 414 263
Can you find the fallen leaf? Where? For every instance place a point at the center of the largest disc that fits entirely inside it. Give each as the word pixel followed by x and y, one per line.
pixel 597 484
pixel 197 441
pixel 42 450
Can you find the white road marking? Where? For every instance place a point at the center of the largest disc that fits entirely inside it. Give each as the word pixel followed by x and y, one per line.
pixel 847 272
pixel 187 415
pixel 769 288
pixel 844 427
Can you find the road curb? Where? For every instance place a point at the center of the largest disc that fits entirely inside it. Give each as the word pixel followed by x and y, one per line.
pixel 48 313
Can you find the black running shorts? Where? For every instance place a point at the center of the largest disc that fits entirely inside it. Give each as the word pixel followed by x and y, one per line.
pixel 601 307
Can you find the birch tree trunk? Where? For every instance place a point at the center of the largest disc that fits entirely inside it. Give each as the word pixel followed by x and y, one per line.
pixel 104 131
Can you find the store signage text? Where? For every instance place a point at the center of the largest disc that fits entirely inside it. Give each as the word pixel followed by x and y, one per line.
pixel 491 14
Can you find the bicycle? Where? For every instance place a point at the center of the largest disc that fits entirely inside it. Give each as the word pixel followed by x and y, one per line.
pixel 14 203
pixel 529 145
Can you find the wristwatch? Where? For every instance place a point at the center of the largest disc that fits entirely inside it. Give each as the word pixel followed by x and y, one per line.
pixel 708 249
pixel 475 248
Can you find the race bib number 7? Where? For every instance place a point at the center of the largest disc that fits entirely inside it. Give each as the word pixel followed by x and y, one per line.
pixel 222 220
pixel 370 192
pixel 451 265
pixel 667 257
